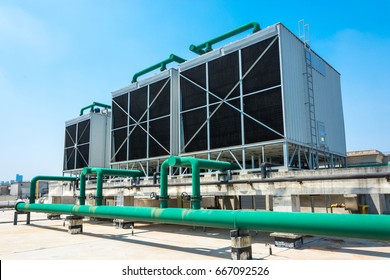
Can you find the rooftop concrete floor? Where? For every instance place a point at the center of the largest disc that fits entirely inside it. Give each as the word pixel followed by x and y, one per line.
pixel 49 240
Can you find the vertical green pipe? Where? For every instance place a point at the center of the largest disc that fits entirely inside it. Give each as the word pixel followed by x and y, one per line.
pixel 82 188
pixel 33 185
pixel 195 164
pixel 195 197
pixel 100 172
pixel 164 169
pixel 99 187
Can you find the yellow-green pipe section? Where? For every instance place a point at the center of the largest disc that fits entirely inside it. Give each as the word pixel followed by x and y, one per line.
pixel 375 227
pixel 34 183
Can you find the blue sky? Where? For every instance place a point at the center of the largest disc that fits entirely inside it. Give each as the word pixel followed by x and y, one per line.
pixel 59 56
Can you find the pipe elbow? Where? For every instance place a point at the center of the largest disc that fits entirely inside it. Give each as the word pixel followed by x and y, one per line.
pixel 86 170
pixel 164 165
pixel 195 165
pixel 256 27
pixel 17 203
pixel 175 58
pixel 174 160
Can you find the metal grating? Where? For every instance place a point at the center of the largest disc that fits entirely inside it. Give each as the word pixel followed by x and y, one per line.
pixel 232 100
pixel 77 138
pixel 141 122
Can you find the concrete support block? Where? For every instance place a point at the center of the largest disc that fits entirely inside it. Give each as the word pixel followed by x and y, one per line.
pixel 124 224
pixel 287 240
pixel 286 203
pixel 75 224
pixel 378 203
pixel 241 245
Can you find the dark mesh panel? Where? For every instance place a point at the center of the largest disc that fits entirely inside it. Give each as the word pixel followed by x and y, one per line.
pixel 267 108
pixel 82 156
pixel 161 106
pixel 223 76
pixel 160 130
pixel 70 136
pixel 83 132
pixel 119 116
pixel 225 125
pixel 191 95
pixel 191 123
pixel 266 73
pixel 137 142
pixel 69 159
pixel 119 152
pixel 138 104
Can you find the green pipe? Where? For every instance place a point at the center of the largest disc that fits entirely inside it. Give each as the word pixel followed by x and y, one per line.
pixel 100 173
pixel 164 184
pixel 195 164
pixel 207 46
pixel 92 106
pixel 162 65
pixel 82 188
pixel 34 181
pixel 376 227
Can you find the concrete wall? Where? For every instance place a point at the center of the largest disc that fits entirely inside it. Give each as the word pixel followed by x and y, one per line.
pixel 286 196
pixel 4 190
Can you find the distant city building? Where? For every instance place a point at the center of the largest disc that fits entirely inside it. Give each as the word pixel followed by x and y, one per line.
pixel 19 178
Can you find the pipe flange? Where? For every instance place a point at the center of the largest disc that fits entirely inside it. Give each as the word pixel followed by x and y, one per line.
pixel 196 198
pixel 164 197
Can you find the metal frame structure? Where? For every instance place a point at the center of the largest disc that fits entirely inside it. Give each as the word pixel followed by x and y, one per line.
pixel 282 149
pixel 148 164
pixel 237 153
pixel 87 141
pixel 283 152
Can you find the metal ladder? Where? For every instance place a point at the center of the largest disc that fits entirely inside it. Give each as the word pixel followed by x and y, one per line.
pixel 304 35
